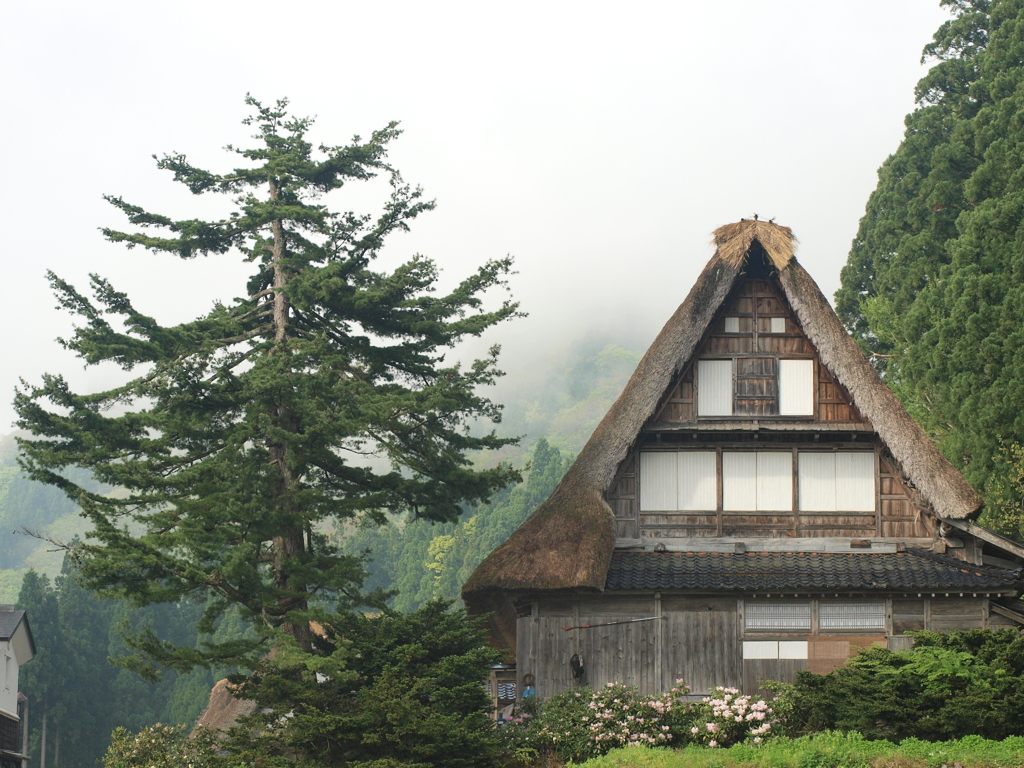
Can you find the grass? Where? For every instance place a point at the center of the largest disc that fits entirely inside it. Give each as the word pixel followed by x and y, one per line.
pixel 827 750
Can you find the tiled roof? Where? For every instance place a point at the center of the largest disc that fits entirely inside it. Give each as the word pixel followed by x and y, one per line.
pixel 914 569
pixel 9 621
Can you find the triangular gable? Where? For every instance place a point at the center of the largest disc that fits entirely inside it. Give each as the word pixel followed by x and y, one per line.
pixel 568 541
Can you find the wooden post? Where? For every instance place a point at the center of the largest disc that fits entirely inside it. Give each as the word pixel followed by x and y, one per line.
pixel 24 733
pixel 659 646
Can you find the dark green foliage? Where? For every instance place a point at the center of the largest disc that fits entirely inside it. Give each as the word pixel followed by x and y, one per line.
pixel 948 686
pixel 247 433
pixel 404 689
pixel 934 284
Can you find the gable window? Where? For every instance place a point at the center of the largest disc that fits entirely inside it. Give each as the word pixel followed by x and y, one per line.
pixel 757 481
pixel 839 481
pixel 714 393
pixel 678 480
pixel 755 386
pixel 761 482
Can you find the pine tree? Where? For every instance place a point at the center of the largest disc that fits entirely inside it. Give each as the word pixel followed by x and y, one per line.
pixel 320 396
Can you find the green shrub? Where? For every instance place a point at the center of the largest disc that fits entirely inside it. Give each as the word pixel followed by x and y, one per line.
pixel 948 686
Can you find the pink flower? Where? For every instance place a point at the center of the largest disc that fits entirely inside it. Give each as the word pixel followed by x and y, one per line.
pixel 712 743
pixel 695 730
pixel 757 739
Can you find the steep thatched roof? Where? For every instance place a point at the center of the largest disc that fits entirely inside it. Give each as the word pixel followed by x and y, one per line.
pixel 567 542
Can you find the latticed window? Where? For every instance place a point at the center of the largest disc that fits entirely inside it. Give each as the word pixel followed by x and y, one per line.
pixel 792 616
pixel 851 616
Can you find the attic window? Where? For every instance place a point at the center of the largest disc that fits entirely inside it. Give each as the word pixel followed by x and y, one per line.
pixel 732 325
pixel 778 325
pixel 755 387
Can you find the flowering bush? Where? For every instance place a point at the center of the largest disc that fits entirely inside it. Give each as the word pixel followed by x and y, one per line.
pixel 580 724
pixel 727 717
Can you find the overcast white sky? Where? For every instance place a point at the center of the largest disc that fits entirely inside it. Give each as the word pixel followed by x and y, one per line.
pixel 599 143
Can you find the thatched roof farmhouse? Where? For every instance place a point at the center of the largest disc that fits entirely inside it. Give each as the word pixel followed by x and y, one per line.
pixel 757 501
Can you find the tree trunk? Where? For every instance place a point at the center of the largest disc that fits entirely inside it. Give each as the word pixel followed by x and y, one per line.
pixel 291 543
pixel 56 745
pixel 42 745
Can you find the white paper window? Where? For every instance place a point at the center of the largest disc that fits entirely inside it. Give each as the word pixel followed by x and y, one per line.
pixel 732 325
pixel 796 387
pixel 757 482
pixel 837 482
pixel 851 616
pixel 760 649
pixel 778 325
pixel 697 476
pixel 774 482
pixel 714 387
pixel 777 616
pixel 739 481
pixel 855 481
pixel 659 481
pixel 792 649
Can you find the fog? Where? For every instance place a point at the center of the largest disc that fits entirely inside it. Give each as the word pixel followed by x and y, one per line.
pixel 598 143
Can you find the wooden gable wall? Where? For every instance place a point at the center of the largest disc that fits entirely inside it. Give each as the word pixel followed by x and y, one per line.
pixel 756 349
pixel 899 510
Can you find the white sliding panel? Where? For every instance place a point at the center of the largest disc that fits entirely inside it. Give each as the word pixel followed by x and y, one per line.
pixel 732 325
pixel 658 481
pixel 817 482
pixel 777 325
pixel 796 387
pixel 760 649
pixel 698 486
pixel 774 481
pixel 855 481
pixel 792 649
pixel 739 482
pixel 714 387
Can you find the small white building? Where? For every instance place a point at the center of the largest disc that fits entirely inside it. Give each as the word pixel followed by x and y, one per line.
pixel 16 648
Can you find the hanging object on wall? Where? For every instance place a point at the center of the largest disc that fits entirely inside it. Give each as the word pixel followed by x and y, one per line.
pixel 578 670
pixel 588 625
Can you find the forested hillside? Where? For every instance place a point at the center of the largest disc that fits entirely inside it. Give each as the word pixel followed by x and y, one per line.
pixel 934 285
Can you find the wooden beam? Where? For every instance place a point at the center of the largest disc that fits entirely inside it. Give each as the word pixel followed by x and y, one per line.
pixel 996 608
pixel 1005 544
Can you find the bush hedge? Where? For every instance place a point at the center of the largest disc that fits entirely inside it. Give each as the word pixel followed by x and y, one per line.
pixel 947 686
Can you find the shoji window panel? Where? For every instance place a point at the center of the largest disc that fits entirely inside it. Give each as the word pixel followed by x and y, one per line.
pixel 796 388
pixel 714 388
pixel 659 481
pixel 697 480
pixel 683 480
pixel 842 481
pixel 757 482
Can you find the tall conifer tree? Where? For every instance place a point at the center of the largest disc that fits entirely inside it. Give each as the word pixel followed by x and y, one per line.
pixel 934 284
pixel 320 396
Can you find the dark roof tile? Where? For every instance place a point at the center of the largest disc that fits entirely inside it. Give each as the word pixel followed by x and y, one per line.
pixel 914 569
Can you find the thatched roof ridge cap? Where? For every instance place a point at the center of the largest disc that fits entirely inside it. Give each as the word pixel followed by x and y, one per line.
pixel 733 241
